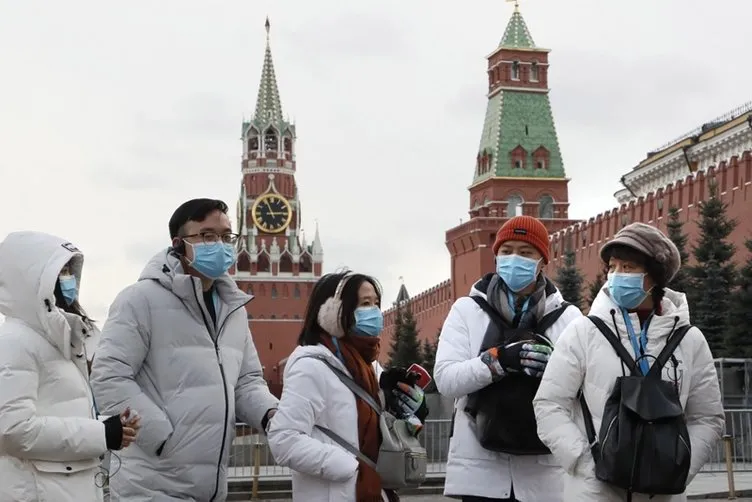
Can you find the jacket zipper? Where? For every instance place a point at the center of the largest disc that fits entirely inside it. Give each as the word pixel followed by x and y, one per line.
pixel 224 383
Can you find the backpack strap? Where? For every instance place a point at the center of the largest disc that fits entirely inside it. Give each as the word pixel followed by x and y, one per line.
pixel 490 339
pixel 589 427
pixel 349 383
pixel 615 343
pixel 673 342
pixel 495 317
pixel 359 392
pixel 550 319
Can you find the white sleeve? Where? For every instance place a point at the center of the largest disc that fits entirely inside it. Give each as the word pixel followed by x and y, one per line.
pixel 289 435
pixel 121 352
pixel 704 408
pixel 253 400
pixel 457 371
pixel 557 396
pixel 27 435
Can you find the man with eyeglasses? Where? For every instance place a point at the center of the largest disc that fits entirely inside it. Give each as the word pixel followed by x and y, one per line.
pixel 176 350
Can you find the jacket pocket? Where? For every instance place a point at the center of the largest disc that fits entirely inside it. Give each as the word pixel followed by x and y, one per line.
pixel 65 467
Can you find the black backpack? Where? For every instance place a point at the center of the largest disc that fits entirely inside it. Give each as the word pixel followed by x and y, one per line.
pixel 503 411
pixel 643 445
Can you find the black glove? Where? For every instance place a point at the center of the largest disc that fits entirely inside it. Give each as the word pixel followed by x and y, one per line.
pixel 113 432
pixel 397 400
pixel 525 356
pixel 391 377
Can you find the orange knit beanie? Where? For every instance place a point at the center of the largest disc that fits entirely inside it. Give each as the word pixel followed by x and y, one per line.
pixel 525 229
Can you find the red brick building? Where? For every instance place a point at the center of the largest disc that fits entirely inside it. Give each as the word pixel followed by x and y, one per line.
pixel 275 263
pixel 519 170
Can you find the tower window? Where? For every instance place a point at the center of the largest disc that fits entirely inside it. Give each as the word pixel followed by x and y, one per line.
pixel 270 140
pixel 518 164
pixel 514 206
pixel 516 70
pixel 534 72
pixel 296 291
pixel 274 291
pixel 546 207
pixel 541 164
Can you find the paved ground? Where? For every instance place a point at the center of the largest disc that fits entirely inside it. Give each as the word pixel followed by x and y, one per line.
pixel 444 499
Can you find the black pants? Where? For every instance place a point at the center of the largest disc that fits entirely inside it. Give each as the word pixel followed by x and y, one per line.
pixel 470 498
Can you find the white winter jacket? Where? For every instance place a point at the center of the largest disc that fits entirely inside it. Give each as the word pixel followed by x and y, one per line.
pixel 312 395
pixel 50 439
pixel 471 469
pixel 583 358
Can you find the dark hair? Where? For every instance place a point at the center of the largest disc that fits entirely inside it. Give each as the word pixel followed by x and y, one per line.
pixel 325 289
pixel 194 210
pixel 652 267
pixel 73 308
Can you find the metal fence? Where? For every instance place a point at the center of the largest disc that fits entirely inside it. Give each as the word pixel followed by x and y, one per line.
pixel 250 457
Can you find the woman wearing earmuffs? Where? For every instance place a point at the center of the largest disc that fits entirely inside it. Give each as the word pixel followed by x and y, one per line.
pixel 342 326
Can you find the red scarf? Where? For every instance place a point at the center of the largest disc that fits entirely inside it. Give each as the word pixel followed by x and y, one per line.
pixel 358 354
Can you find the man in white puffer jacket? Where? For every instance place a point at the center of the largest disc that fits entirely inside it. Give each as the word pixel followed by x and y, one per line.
pixel 637 307
pixel 521 295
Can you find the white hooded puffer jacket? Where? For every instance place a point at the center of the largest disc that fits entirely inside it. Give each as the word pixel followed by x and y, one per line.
pixel 471 469
pixel 50 439
pixel 583 358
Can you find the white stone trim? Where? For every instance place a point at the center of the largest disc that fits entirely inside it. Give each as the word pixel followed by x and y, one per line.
pixel 673 167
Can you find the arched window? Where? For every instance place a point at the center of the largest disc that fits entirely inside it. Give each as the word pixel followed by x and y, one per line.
pixel 516 70
pixel 264 265
pixel 288 144
pixel 285 263
pixel 274 291
pixel 514 206
pixel 534 72
pixel 253 144
pixel 546 207
pixel 270 140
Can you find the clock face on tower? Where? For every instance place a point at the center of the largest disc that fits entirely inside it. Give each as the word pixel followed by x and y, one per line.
pixel 271 213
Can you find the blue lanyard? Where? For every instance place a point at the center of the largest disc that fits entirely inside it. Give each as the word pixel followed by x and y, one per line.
pixel 638 346
pixel 513 302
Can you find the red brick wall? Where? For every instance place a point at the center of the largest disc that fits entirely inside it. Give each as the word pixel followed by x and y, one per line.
pixel 734 179
pixel 275 322
pixel 429 307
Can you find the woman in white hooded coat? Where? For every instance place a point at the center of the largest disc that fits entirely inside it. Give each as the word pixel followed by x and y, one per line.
pixel 51 442
pixel 636 305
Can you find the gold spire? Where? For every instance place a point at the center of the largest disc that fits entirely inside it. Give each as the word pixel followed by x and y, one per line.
pixel 516 5
pixel 268 26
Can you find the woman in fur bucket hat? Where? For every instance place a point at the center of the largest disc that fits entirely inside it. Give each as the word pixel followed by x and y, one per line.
pixel 632 436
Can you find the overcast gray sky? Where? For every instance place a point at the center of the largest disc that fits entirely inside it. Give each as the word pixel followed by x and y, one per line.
pixel 112 114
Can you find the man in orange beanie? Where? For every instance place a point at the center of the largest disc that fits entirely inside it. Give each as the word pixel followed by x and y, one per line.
pixel 493 349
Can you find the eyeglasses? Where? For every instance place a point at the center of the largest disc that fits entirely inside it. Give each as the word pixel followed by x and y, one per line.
pixel 212 237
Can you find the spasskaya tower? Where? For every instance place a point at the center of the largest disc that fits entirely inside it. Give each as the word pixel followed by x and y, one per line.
pixel 275 262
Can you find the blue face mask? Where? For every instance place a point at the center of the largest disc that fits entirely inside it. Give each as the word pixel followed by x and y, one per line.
pixel 626 289
pixel 516 271
pixel 212 260
pixel 69 288
pixel 369 321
